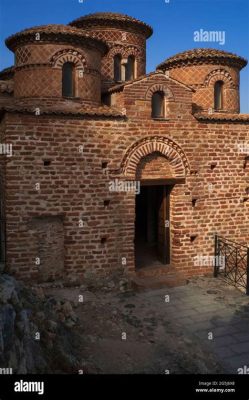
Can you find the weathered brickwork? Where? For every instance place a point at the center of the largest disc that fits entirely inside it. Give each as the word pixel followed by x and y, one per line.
pixel 124 44
pixel 202 79
pixel 154 166
pixel 59 207
pixel 40 74
pixel 126 41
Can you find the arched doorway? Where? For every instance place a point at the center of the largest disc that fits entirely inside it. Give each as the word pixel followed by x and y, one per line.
pixel 152 226
pixel 152 221
pixel 159 165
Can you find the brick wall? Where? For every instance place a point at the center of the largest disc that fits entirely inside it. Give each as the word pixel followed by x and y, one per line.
pixel 154 166
pixel 136 98
pixel 59 209
pixel 75 187
pixel 48 239
pixel 3 159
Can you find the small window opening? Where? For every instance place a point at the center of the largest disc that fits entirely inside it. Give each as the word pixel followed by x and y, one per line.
pixel 218 95
pixel 68 80
pixel 117 67
pixel 158 105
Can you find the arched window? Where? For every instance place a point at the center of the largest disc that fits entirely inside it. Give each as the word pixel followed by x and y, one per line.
pixel 130 69
pixel 117 67
pixel 218 95
pixel 68 80
pixel 158 105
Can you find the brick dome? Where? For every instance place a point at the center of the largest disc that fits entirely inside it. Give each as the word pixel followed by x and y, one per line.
pixel 41 52
pixel 112 19
pixel 204 70
pixel 203 56
pixel 54 33
pixel 126 39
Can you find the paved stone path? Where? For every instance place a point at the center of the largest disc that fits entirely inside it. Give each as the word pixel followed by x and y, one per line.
pixel 218 316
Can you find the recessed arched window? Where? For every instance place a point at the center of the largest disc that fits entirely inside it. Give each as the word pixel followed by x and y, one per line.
pixel 218 95
pixel 68 80
pixel 158 105
pixel 117 67
pixel 130 69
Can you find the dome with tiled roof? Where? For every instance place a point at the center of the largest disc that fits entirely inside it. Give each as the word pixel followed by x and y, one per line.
pixel 203 56
pixel 7 73
pixel 55 33
pixel 112 19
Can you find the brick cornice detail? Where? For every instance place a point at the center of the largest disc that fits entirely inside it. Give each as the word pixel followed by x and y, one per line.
pixel 219 75
pixel 91 71
pixel 68 55
pixel 162 145
pixel 159 88
pixel 124 50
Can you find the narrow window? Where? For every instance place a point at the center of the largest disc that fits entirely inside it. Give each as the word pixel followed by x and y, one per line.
pixel 117 67
pixel 130 69
pixel 158 105
pixel 68 80
pixel 218 95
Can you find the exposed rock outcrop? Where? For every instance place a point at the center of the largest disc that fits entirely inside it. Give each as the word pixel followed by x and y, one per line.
pixel 36 331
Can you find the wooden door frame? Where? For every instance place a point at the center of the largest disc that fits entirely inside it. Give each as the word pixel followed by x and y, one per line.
pixel 166 186
pixel 167 189
pixel 165 256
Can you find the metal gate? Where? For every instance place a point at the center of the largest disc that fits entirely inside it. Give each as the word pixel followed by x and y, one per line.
pixel 232 262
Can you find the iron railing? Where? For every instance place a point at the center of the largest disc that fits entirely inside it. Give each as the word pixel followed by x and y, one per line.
pixel 232 262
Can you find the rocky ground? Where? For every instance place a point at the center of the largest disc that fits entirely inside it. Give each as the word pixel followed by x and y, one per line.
pixel 36 334
pixel 112 329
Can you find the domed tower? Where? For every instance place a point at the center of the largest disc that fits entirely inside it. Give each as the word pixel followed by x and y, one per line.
pixel 126 39
pixel 57 61
pixel 214 74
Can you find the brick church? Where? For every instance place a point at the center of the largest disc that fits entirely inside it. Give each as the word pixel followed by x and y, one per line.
pixel 107 168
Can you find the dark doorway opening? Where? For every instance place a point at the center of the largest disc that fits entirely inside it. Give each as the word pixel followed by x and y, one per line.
pixel 152 232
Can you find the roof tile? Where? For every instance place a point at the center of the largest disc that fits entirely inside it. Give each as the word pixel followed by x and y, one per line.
pixel 109 18
pixel 202 56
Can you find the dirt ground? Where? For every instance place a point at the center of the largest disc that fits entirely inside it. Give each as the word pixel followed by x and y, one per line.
pixel 153 332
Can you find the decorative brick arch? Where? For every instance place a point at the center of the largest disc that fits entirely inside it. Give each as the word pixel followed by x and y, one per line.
pixel 115 50
pixel 219 75
pixel 132 51
pixel 68 55
pixel 124 51
pixel 159 88
pixel 175 155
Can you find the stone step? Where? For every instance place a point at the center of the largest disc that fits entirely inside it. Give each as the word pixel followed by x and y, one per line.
pixel 155 271
pixel 157 282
